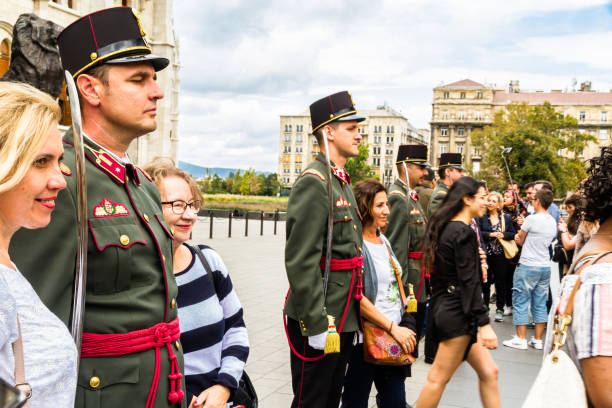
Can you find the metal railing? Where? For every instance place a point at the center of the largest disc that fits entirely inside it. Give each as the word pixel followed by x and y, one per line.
pixel 260 216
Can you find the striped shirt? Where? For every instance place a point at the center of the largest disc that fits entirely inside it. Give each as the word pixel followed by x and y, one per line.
pixel 213 334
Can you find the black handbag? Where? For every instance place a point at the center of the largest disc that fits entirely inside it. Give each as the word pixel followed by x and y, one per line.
pixel 245 395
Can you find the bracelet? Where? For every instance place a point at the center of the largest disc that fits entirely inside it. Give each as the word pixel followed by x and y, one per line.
pixel 564 231
pixel 390 327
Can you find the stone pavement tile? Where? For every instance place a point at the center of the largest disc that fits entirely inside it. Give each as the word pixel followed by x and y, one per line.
pixel 276 400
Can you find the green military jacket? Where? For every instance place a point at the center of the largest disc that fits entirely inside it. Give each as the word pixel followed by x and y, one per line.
pixel 306 244
pixel 406 228
pixel 424 193
pixel 438 195
pixel 130 284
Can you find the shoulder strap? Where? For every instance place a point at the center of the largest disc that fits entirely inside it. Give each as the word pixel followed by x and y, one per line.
pixel 205 264
pixel 18 353
pixel 570 302
pixel 503 222
pixel 400 285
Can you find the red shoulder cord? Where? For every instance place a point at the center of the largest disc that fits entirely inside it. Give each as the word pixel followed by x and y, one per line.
pixel 336 265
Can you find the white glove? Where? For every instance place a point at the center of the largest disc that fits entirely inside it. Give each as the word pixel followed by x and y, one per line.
pixel 317 342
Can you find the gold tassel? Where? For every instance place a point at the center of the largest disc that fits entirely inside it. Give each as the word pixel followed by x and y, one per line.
pixel 411 305
pixel 332 341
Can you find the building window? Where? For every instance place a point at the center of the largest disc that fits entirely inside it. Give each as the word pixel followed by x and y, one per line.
pixel 604 116
pixel 287 149
pixel 478 95
pixel 446 95
pixel 582 116
pixel 476 166
pixel 443 148
pixel 70 3
pixel 299 139
pixel 287 139
pixel 478 115
pixel 299 149
pixel 444 115
pixel 286 170
pixel 390 129
pixel 287 128
pixel 389 139
pixel 603 134
pixel 475 151
pixel 314 141
pixel 461 115
pixel 443 132
pixel 460 131
pixel 460 148
pixel 462 95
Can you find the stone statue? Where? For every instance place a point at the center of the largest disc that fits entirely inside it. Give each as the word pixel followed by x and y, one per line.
pixel 34 54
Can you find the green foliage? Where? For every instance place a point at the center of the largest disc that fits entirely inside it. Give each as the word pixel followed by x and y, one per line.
pixel 535 134
pixel 247 183
pixel 357 167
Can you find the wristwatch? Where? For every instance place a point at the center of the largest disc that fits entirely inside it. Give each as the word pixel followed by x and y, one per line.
pixel 25 388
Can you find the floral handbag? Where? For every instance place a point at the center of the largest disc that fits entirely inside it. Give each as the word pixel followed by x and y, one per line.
pixel 379 347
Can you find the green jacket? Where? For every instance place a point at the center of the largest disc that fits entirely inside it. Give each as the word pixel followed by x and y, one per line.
pixel 438 195
pixel 407 226
pixel 306 244
pixel 424 193
pixel 130 284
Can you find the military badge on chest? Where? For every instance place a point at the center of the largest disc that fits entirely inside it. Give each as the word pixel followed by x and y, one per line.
pixel 341 202
pixel 109 208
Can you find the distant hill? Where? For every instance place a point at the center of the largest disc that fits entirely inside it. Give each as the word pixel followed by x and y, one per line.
pixel 201 172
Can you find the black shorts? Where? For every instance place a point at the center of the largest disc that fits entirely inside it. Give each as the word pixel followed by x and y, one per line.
pixel 448 320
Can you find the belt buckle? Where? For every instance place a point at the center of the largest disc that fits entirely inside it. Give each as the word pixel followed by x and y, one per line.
pixel 450 289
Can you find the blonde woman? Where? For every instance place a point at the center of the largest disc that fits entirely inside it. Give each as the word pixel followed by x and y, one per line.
pixel 500 269
pixel 213 333
pixel 30 180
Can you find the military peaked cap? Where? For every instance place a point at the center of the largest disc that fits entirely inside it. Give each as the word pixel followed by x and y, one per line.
pixel 110 36
pixel 415 153
pixel 451 160
pixel 337 107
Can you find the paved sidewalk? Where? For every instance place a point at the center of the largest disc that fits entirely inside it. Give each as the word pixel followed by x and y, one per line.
pixel 256 265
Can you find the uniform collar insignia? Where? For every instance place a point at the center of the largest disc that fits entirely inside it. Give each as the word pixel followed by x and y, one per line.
pixel 109 164
pixel 341 174
pixel 109 208
pixel 414 195
pixel 65 169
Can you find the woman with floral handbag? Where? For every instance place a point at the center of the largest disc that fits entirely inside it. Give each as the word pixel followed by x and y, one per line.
pixel 382 310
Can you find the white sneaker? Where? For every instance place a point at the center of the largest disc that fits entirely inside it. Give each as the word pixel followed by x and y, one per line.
pixel 536 344
pixel 507 310
pixel 517 343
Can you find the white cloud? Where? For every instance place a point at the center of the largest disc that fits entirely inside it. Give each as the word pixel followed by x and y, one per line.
pixel 246 63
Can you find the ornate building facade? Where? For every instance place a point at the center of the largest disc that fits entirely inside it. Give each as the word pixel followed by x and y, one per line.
pixel 383 131
pixel 156 17
pixel 461 107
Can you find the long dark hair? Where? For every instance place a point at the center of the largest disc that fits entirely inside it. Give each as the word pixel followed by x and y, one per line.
pixel 451 206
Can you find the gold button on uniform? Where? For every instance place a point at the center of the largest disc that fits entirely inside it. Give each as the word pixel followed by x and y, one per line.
pixel 173 303
pixel 177 345
pixel 124 239
pixel 146 217
pixel 346 218
pixel 355 227
pixel 94 382
pixel 164 258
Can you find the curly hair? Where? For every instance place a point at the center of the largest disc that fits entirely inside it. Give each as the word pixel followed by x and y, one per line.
pixel 597 189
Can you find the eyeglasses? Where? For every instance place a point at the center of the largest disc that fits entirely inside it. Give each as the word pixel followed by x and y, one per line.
pixel 179 206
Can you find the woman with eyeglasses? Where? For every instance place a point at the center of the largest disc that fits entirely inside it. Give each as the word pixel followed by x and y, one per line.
pixel 213 333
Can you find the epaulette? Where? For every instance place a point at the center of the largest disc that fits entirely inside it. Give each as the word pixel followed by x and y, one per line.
pixel 314 173
pixel 144 174
pixel 397 192
pixel 65 169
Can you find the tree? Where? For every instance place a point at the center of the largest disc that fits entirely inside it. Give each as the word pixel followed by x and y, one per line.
pixel 217 184
pixel 545 145
pixel 357 167
pixel 236 182
pixel 268 185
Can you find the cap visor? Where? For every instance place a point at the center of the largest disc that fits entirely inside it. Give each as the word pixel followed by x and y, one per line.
pixel 158 62
pixel 459 168
pixel 355 117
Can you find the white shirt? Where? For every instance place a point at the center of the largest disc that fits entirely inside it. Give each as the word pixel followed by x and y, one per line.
pixel 388 299
pixel 48 349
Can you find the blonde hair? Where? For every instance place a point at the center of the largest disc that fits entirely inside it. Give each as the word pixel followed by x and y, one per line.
pixel 500 199
pixel 26 116
pixel 162 167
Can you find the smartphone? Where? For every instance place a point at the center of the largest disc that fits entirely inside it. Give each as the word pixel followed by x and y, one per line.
pixel 10 397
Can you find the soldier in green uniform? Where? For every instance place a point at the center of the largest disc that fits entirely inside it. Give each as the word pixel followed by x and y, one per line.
pixel 407 222
pixel 317 378
pixel 450 170
pixel 425 189
pixel 130 354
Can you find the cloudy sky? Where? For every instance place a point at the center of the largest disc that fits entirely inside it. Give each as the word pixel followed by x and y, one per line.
pixel 244 63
